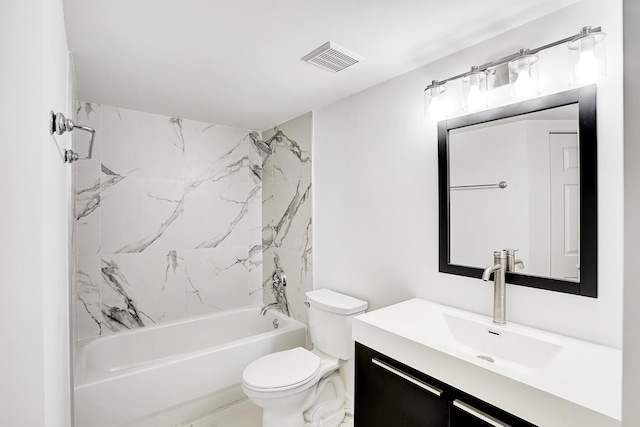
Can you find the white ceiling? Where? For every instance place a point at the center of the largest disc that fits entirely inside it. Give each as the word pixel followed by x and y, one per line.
pixel 237 62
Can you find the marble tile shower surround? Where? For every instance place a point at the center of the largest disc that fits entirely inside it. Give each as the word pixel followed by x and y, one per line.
pixel 168 216
pixel 174 218
pixel 287 210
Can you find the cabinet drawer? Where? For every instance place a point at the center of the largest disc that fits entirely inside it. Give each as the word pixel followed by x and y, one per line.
pixel 466 415
pixel 468 411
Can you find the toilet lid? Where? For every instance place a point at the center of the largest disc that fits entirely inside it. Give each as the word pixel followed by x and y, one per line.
pixel 282 369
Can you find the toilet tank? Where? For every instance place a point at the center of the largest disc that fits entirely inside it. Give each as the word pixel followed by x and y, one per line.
pixel 330 317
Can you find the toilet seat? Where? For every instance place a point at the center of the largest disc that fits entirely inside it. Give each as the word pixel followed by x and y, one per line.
pixel 281 371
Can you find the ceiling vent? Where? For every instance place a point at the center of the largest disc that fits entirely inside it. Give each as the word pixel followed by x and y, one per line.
pixel 332 57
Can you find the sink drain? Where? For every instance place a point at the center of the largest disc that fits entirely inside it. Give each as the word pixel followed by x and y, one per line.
pixel 487 358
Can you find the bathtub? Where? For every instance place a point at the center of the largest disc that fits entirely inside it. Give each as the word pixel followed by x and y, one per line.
pixel 126 377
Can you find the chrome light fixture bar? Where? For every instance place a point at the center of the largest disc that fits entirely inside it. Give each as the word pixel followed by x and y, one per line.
pixel 587 53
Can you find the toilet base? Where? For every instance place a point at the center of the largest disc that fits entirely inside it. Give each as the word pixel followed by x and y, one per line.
pixel 327 411
pixel 333 420
pixel 274 419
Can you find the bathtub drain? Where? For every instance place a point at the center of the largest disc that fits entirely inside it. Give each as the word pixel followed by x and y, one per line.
pixel 275 324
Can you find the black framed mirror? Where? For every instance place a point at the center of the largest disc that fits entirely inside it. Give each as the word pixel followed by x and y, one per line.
pixel 523 176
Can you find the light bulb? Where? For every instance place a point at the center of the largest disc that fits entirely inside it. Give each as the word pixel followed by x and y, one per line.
pixel 524 85
pixel 587 56
pixel 474 89
pixel 435 98
pixel 587 67
pixel 436 108
pixel 474 99
pixel 523 75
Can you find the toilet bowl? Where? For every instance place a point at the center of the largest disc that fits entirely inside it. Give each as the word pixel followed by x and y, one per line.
pixel 302 388
pixel 296 388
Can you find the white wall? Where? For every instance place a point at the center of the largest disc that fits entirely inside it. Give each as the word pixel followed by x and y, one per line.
pixel 631 389
pixel 376 195
pixel 34 323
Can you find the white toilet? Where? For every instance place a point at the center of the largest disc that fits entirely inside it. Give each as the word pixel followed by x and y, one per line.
pixel 302 388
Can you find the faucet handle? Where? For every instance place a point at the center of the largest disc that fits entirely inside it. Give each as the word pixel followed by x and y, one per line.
pixel 497 256
pixel 512 262
pixel 279 280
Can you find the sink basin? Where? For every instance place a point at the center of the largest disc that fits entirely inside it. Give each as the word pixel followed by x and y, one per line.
pixel 499 344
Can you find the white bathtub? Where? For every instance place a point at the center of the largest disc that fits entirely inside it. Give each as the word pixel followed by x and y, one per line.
pixel 128 376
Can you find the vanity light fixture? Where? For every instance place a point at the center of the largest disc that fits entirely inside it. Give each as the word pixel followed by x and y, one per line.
pixel 475 90
pixel 436 101
pixel 587 53
pixel 523 76
pixel 587 60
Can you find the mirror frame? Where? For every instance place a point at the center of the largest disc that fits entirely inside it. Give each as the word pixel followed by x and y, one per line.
pixel 585 97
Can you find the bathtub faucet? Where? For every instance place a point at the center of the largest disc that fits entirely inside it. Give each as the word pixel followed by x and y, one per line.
pixel 278 286
pixel 276 305
pixel 278 281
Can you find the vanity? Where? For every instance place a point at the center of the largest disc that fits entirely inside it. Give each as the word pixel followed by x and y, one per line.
pixel 419 363
pixel 518 178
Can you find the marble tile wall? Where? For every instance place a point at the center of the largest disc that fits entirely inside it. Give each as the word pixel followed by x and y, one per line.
pixel 169 219
pixel 287 210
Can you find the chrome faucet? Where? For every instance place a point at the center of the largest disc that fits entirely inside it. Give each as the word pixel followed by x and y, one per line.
pixel 512 262
pixel 278 281
pixel 273 305
pixel 498 269
pixel 278 285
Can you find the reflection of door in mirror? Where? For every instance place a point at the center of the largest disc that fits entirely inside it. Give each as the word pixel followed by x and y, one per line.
pixel 565 205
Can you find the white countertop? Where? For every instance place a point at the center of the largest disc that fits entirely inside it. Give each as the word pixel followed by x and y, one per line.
pixel 586 374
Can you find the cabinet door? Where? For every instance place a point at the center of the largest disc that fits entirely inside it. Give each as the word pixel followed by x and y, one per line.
pixel 389 393
pixel 467 411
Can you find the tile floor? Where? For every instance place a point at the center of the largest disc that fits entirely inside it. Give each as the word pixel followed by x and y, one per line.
pixel 240 414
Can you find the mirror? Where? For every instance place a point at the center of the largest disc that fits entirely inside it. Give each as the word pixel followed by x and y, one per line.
pixel 524 177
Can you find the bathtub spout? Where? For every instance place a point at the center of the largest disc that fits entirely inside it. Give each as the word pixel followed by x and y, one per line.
pixel 268 307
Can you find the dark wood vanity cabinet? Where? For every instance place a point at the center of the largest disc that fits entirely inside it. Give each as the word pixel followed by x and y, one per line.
pixel 389 393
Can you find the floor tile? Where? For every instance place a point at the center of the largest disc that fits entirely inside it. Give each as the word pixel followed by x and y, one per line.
pixel 242 414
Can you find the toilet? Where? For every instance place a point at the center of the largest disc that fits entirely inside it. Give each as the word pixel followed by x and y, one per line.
pixel 302 388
